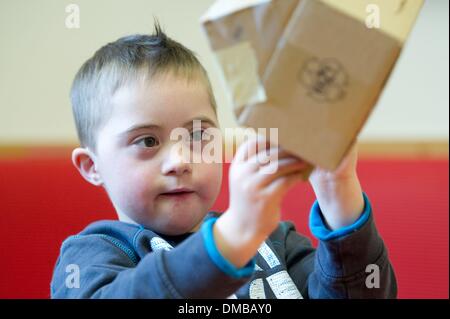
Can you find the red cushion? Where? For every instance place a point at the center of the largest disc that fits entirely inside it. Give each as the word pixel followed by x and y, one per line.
pixel 45 200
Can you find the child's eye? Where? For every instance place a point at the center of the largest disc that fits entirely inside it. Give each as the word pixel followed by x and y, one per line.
pixel 197 135
pixel 148 141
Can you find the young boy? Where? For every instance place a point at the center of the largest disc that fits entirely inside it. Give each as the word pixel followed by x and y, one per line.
pixel 127 99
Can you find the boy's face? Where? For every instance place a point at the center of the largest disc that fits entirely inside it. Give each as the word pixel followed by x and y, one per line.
pixel 136 162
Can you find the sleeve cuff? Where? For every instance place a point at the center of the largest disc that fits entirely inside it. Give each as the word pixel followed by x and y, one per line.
pixel 322 232
pixel 218 259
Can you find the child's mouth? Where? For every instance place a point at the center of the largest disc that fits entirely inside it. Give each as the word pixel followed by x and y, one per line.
pixel 178 194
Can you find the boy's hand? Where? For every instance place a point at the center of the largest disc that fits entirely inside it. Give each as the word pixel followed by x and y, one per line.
pixel 255 198
pixel 339 193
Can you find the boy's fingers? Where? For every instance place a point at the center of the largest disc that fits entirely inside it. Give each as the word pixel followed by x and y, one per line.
pixel 266 157
pixel 267 174
pixel 282 184
pixel 251 147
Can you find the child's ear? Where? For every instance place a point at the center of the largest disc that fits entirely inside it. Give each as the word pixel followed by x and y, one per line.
pixel 84 161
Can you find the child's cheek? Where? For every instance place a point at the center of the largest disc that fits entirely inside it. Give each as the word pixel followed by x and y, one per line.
pixel 133 187
pixel 211 179
pixel 144 184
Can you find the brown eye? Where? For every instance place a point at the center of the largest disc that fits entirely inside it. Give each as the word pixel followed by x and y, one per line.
pixel 148 141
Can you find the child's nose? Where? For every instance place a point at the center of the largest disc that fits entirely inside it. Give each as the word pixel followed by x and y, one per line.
pixel 176 163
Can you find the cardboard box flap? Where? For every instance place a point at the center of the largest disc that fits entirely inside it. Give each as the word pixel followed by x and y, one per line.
pixel 314 69
pixel 244 41
pixel 222 8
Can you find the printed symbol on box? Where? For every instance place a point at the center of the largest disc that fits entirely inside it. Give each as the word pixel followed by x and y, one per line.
pixel 324 79
pixel 238 32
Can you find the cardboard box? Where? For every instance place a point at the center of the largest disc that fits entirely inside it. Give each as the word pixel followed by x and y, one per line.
pixel 314 69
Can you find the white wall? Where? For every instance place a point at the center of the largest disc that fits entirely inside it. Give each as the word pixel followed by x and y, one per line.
pixel 39 57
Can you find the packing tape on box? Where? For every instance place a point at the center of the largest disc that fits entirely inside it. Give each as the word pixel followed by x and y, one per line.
pixel 240 69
